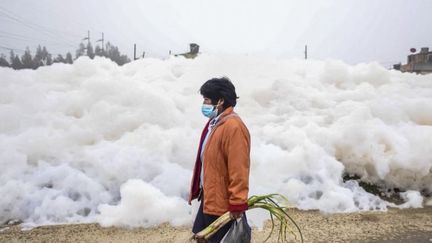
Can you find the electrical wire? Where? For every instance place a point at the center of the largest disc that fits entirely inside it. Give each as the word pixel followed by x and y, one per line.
pixel 11 49
pixel 38 28
pixel 52 30
pixel 31 39
pixel 53 33
pixel 43 9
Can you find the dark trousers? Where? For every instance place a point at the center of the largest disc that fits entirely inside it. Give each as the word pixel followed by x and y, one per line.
pixel 203 220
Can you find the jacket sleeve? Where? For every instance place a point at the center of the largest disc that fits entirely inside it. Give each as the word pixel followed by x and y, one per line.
pixel 237 150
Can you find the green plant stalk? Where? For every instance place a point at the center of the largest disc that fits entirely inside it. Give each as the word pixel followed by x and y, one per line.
pixel 266 202
pixel 272 228
pixel 214 227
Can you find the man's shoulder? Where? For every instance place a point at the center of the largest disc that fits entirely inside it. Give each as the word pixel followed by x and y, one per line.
pixel 233 119
pixel 234 122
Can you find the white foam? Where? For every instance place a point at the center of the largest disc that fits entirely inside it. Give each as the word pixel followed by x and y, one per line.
pixel 412 199
pixel 71 136
pixel 143 205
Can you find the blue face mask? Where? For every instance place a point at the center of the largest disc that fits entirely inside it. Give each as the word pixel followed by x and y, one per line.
pixel 209 111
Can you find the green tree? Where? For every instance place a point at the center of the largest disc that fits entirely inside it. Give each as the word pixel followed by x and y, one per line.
pixel 38 57
pixel 42 57
pixel 59 59
pixel 69 58
pixel 16 63
pixel 90 51
pixel 46 57
pixel 27 60
pixel 11 56
pixel 49 60
pixel 113 53
pixel 80 51
pixel 3 61
pixel 99 51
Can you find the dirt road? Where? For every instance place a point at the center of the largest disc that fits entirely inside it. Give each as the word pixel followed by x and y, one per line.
pixel 393 226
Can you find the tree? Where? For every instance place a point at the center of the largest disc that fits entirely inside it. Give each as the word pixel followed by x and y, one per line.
pixel 99 51
pixel 69 58
pixel 114 54
pixel 16 63
pixel 11 56
pixel 49 60
pixel 90 52
pixel 27 59
pixel 59 59
pixel 3 61
pixel 46 56
pixel 42 57
pixel 38 57
pixel 80 51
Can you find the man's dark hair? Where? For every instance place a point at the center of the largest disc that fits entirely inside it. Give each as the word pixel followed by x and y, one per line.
pixel 220 88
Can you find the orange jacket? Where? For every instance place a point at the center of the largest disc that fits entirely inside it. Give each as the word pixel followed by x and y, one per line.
pixel 226 166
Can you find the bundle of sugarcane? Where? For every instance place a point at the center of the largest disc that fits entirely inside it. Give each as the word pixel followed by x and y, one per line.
pixel 273 204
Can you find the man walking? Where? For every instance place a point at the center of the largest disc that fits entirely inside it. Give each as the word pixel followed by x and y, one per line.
pixel 221 174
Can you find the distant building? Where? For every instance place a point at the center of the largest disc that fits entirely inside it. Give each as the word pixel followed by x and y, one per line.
pixel 194 51
pixel 417 62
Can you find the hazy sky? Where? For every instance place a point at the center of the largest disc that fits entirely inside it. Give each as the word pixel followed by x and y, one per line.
pixel 353 31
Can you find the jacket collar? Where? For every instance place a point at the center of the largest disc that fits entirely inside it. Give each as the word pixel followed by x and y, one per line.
pixel 226 112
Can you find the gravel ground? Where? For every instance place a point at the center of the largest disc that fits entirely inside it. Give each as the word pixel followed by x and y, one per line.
pixel 393 226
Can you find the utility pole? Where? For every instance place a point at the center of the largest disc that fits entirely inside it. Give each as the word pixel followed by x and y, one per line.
pixel 135 52
pixel 88 39
pixel 102 41
pixel 306 52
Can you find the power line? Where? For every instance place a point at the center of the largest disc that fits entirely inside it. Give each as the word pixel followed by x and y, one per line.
pixel 35 27
pixel 30 39
pixel 102 41
pixel 48 10
pixel 14 15
pixel 17 35
pixel 53 33
pixel 9 33
pixel 52 36
pixel 11 49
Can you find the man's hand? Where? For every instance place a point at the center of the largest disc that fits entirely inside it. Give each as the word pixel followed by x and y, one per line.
pixel 236 215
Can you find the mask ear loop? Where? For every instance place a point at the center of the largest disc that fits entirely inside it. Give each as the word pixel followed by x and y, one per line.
pixel 215 108
pixel 219 103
